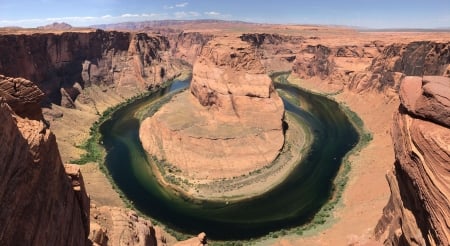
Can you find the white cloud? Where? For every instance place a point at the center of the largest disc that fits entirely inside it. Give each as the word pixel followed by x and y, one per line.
pixel 218 15
pixel 212 13
pixel 106 16
pixel 181 5
pixel 178 5
pixel 129 15
pixel 183 14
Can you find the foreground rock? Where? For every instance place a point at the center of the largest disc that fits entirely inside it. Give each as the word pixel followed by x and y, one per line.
pixel 228 124
pixel 39 203
pixel 119 226
pixel 418 211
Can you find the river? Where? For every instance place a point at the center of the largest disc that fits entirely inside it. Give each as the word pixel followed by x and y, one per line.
pixel 290 204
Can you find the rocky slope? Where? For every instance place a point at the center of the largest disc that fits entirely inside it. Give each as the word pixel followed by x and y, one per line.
pixel 39 203
pixel 232 103
pixel 418 212
pixel 62 65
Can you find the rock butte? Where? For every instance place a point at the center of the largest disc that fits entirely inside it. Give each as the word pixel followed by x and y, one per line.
pixel 230 121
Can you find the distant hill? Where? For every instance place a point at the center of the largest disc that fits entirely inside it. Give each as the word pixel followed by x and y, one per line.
pixel 175 24
pixel 56 26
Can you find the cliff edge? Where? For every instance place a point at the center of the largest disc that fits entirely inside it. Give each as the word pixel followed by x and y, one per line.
pixel 418 212
pixel 40 205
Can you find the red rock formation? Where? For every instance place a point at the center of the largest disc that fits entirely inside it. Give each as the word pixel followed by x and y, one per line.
pixel 232 104
pixel 385 66
pixel 38 203
pixel 418 212
pixel 57 63
pixel 118 226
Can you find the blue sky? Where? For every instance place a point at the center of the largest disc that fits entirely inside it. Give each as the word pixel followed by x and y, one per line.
pixel 363 13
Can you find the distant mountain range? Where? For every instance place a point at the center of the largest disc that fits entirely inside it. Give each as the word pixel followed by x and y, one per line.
pixel 176 24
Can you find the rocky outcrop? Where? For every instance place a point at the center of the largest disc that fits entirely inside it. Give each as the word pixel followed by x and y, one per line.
pixel 23 96
pixel 188 45
pixel 418 211
pixel 62 64
pixel 384 66
pixel 118 226
pixel 40 203
pixel 229 124
pixel 278 52
pixel 200 240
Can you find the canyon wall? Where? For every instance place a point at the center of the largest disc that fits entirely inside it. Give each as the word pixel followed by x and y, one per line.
pixel 418 212
pixel 372 66
pixel 40 205
pixel 63 64
pixel 43 201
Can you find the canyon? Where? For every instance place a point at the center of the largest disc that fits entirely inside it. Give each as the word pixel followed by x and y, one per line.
pixel 79 74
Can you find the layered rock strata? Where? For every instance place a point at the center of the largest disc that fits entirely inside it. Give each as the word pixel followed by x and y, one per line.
pixel 38 202
pixel 63 64
pixel 373 66
pixel 230 121
pixel 418 212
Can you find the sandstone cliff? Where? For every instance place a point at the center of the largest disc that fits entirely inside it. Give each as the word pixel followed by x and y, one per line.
pixel 372 66
pixel 232 103
pixel 188 45
pixel 39 204
pixel 63 64
pixel 43 201
pixel 418 212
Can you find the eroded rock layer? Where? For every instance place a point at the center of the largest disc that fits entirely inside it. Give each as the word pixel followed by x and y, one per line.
pixel 63 64
pixel 418 212
pixel 228 124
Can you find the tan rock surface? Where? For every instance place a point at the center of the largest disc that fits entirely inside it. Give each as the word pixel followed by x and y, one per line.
pixel 232 103
pixel 427 97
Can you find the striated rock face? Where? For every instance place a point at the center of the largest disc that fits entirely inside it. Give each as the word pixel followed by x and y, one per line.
pixel 39 203
pixel 418 212
pixel 61 65
pixel 230 123
pixel 383 67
